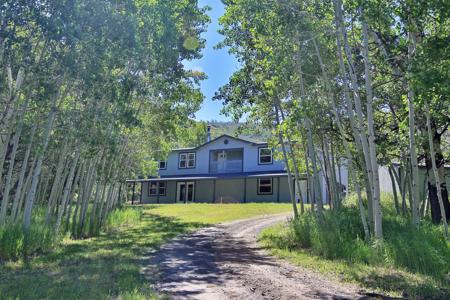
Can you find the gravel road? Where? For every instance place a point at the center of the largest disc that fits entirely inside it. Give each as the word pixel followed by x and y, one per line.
pixel 225 262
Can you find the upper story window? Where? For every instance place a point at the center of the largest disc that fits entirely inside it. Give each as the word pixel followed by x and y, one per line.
pixel 162 165
pixel 265 156
pixel 157 188
pixel 186 160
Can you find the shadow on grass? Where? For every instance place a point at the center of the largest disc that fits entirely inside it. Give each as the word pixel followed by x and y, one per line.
pixel 409 288
pixel 97 268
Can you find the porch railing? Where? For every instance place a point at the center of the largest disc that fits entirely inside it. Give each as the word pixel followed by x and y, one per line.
pixel 227 166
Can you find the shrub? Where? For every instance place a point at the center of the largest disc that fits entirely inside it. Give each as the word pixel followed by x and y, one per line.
pixel 123 217
pixel 340 236
pixel 14 243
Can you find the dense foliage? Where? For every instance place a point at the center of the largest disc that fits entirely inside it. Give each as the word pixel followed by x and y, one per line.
pixel 91 93
pixel 348 83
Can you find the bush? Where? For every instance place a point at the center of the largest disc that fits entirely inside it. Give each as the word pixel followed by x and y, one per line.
pixel 41 237
pixel 340 236
pixel 14 243
pixel 123 217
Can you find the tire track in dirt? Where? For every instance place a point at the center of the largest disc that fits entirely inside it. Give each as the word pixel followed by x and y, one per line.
pixel 226 262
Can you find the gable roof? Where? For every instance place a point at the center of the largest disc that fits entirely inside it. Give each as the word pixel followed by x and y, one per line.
pixel 219 137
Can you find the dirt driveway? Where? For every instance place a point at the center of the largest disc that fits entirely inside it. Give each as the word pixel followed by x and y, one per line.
pixel 225 262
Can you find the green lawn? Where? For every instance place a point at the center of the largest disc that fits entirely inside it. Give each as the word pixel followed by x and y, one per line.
pixel 108 266
pixel 217 213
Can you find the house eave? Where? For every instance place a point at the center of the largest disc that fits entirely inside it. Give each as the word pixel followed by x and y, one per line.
pixel 221 136
pixel 213 176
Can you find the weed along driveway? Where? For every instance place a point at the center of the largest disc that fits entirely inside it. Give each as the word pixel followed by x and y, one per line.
pixel 225 262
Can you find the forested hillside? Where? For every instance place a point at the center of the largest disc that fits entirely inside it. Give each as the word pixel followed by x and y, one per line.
pixel 237 129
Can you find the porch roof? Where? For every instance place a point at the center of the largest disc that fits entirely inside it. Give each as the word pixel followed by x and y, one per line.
pixel 213 176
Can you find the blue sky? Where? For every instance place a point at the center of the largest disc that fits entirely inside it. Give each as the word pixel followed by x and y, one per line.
pixel 217 64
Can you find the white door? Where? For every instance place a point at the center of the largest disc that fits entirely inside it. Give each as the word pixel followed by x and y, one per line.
pixel 185 191
pixel 190 191
pixel 221 161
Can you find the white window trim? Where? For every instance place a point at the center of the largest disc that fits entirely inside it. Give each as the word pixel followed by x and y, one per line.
pixel 187 154
pixel 165 165
pixel 165 188
pixel 259 156
pixel 150 188
pixel 158 186
pixel 260 185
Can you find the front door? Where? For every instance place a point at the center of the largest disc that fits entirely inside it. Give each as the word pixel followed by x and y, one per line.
pixel 185 191
pixel 221 161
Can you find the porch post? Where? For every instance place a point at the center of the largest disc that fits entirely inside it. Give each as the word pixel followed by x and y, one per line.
pixel 120 192
pixel 134 189
pixel 142 191
pixel 245 189
pixel 157 194
pixel 278 189
pixel 214 192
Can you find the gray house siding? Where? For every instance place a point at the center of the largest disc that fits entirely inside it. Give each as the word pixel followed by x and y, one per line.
pixel 252 191
pixel 236 190
pixel 284 190
pixel 204 191
pixel 170 197
pixel 250 158
pixel 229 190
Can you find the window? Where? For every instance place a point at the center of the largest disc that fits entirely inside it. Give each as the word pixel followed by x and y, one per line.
pixel 162 165
pixel 186 160
pixel 157 188
pixel 162 188
pixel 265 186
pixel 152 188
pixel 265 156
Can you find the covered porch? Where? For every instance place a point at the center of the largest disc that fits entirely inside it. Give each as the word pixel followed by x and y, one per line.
pixel 217 188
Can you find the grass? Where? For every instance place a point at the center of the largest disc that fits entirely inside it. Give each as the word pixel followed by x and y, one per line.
pixel 218 213
pixel 109 266
pixel 409 262
pixel 40 238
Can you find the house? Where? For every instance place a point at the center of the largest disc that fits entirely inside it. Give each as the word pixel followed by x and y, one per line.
pixel 222 170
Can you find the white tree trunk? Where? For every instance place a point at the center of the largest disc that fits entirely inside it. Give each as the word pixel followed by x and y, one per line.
pixel 3 153
pixel 12 160
pixel 86 197
pixel 346 147
pixel 26 188
pixel 56 182
pixel 378 229
pixel 37 170
pixel 315 182
pixel 435 171
pixel 5 202
pixel 68 210
pixel 70 183
pixel 286 160
pixel 412 138
pixel 14 88
pixel 23 170
pixel 394 189
pixel 294 163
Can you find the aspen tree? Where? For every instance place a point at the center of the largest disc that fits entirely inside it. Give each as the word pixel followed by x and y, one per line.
pixel 286 160
pixel 435 172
